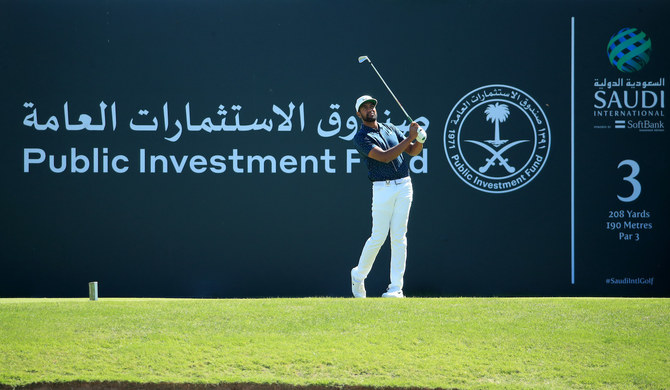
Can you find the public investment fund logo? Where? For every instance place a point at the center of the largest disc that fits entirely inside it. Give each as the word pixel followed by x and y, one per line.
pixel 497 139
pixel 629 49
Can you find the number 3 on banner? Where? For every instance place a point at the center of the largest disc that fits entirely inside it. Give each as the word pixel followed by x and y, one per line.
pixel 637 187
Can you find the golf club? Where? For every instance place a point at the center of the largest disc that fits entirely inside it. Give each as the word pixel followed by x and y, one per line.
pixel 362 59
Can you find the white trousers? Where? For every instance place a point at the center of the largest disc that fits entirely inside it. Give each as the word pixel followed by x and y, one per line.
pixel 391 202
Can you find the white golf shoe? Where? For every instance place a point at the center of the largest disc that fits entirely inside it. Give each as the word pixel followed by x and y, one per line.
pixel 393 294
pixel 357 286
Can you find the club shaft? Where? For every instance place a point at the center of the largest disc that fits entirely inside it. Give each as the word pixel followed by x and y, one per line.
pixel 392 94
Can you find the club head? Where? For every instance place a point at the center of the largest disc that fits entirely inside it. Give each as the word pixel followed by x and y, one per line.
pixel 362 59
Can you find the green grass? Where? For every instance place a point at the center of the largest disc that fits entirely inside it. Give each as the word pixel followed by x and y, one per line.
pixel 465 343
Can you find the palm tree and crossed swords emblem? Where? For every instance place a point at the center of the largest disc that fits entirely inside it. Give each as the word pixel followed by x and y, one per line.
pixel 496 113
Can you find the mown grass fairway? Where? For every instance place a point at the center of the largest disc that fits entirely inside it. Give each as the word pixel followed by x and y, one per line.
pixel 434 343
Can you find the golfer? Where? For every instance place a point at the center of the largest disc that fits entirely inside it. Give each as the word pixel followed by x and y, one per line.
pixel 388 169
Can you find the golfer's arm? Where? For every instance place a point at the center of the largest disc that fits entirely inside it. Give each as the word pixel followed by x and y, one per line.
pixel 389 155
pixel 414 148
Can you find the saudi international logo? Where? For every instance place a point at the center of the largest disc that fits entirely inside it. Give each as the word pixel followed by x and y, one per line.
pixel 497 138
pixel 629 49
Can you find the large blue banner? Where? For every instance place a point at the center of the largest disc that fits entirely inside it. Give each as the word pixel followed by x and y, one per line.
pixel 204 149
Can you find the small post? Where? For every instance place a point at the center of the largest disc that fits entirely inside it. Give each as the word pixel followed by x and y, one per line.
pixel 93 291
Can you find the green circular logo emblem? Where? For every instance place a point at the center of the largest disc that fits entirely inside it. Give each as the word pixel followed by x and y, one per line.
pixel 629 50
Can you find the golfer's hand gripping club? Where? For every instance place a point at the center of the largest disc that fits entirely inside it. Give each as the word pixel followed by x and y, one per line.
pixel 421 134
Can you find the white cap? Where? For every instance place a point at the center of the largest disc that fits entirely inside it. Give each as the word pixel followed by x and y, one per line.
pixel 363 99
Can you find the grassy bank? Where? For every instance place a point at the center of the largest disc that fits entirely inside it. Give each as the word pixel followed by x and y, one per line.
pixel 446 343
